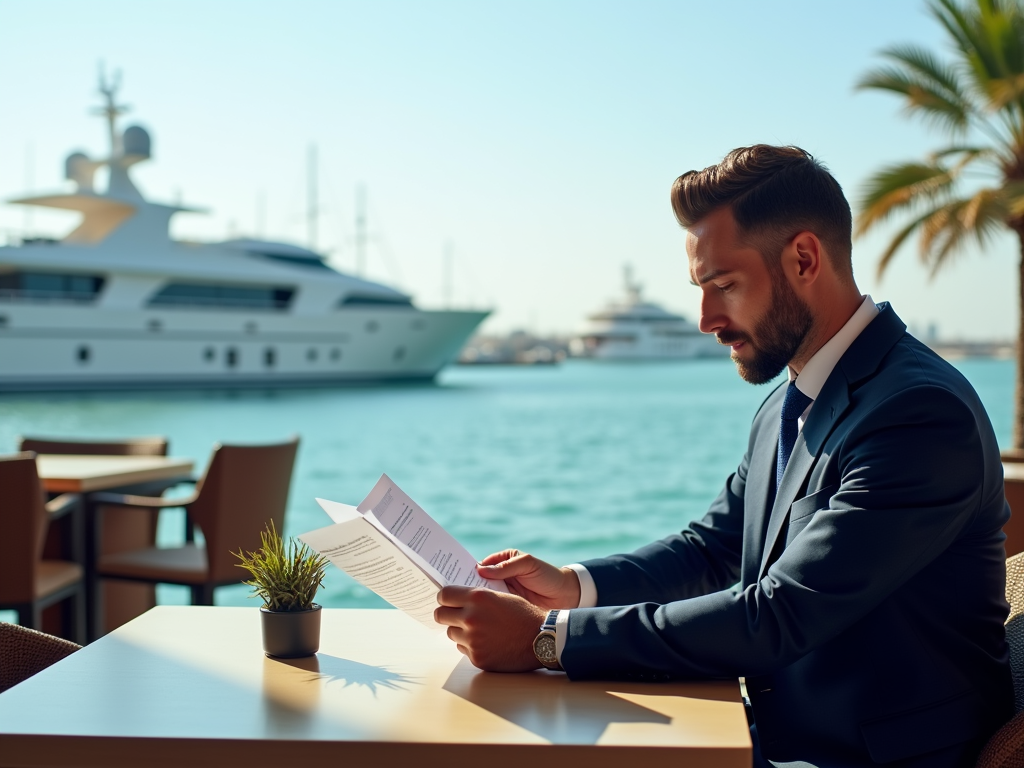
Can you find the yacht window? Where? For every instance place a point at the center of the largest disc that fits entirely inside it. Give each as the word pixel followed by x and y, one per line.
pixel 155 325
pixel 209 353
pixel 311 354
pixel 3 321
pixel 231 357
pixel 355 300
pixel 335 354
pixel 50 286
pixel 83 354
pixel 269 357
pixel 398 354
pixel 220 296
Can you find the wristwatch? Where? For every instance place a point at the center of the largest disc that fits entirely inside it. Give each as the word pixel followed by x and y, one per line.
pixel 544 645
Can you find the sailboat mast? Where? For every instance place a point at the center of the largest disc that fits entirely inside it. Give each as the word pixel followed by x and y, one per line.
pixel 360 229
pixel 312 212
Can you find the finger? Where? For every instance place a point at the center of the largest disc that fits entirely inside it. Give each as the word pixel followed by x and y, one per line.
pixel 449 617
pixel 455 597
pixel 499 557
pixel 519 565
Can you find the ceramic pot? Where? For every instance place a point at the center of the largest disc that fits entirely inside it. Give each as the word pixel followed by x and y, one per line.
pixel 291 634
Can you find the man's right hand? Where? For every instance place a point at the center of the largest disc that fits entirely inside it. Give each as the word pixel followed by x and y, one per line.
pixel 542 584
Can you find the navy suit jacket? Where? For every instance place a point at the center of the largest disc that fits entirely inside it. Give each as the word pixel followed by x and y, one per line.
pixel 865 603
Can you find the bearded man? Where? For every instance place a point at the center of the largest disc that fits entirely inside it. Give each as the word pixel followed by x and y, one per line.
pixel 852 568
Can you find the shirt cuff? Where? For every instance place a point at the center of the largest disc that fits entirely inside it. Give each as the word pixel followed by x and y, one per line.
pixel 588 589
pixel 561 633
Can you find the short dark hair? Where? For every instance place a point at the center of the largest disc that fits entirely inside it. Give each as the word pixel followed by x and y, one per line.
pixel 774 193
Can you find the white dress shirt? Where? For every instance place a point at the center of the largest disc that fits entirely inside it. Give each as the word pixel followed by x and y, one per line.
pixel 809 381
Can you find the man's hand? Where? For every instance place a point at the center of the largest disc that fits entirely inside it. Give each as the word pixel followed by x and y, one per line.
pixel 542 584
pixel 494 629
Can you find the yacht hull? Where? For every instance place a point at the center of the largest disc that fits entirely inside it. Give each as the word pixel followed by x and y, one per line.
pixel 61 348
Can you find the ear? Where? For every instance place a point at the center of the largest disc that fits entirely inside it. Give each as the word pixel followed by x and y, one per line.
pixel 803 258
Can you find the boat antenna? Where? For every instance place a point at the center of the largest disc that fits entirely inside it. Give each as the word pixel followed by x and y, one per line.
pixel 111 110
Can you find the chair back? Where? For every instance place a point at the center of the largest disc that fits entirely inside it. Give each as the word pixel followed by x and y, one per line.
pixel 24 652
pixel 244 488
pixel 24 520
pixel 135 446
pixel 1015 625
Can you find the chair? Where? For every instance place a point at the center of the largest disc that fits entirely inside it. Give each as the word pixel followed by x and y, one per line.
pixel 135 446
pixel 28 582
pixel 244 487
pixel 120 529
pixel 1006 747
pixel 24 652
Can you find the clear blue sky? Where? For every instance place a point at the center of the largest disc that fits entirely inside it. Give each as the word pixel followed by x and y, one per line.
pixel 539 138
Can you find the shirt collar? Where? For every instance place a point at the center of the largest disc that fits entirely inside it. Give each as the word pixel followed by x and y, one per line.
pixel 817 370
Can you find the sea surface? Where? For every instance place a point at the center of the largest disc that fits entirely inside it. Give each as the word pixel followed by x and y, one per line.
pixel 568 462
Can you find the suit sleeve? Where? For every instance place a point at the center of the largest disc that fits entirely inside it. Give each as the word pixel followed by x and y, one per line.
pixel 909 482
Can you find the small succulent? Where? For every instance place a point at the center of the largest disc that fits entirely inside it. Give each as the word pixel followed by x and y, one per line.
pixel 287 578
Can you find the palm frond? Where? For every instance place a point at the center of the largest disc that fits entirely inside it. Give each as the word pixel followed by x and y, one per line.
pixel 947 230
pixel 899 187
pixel 897 242
pixel 931 100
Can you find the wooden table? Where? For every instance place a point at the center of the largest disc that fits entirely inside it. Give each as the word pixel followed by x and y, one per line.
pixel 115 602
pixel 184 685
pixel 82 474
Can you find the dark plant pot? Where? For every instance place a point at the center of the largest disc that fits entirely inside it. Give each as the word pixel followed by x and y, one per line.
pixel 291 634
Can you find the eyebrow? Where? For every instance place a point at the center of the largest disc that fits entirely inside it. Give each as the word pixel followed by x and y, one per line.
pixel 709 276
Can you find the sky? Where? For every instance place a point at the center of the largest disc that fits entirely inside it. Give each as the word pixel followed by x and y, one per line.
pixel 529 146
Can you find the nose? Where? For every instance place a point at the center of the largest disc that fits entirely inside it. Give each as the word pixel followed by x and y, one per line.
pixel 711 319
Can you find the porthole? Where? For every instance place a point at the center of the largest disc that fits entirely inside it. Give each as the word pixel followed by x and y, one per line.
pixel 398 354
pixel 231 357
pixel 372 326
pixel 84 353
pixel 335 354
pixel 155 325
pixel 269 357
pixel 209 353
pixel 251 327
pixel 3 321
pixel 311 354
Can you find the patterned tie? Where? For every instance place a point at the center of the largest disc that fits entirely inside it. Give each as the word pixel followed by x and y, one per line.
pixel 793 405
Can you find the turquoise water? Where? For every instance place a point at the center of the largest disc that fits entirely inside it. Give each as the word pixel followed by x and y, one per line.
pixel 566 462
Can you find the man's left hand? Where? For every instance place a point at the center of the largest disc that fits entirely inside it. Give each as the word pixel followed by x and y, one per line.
pixel 494 629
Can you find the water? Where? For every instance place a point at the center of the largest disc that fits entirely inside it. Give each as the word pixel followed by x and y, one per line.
pixel 566 462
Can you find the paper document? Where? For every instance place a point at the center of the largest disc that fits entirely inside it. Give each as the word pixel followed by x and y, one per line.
pixel 390 545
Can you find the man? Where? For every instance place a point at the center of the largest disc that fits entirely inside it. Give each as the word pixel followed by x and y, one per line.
pixel 852 568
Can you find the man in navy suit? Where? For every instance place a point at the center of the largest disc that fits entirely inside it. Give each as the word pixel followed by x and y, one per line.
pixel 852 568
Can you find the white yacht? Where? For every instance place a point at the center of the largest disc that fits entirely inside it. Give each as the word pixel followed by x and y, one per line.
pixel 118 304
pixel 635 329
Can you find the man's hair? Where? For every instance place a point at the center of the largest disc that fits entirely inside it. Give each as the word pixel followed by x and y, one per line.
pixel 774 193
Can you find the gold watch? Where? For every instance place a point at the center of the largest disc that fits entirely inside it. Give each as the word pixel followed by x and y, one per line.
pixel 545 647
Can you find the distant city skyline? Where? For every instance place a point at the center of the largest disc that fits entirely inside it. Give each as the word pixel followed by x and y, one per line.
pixel 513 155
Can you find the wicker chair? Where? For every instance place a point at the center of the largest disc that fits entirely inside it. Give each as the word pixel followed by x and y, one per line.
pixel 1006 748
pixel 244 487
pixel 24 652
pixel 29 581
pixel 121 528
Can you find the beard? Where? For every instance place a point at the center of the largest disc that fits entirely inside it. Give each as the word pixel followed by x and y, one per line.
pixel 776 336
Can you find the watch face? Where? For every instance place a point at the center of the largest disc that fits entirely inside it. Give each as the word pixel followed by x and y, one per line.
pixel 544 648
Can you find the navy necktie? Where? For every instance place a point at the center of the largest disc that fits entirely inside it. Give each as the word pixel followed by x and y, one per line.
pixel 793 406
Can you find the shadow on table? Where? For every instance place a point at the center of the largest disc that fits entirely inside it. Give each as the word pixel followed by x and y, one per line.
pixel 559 711
pixel 332 669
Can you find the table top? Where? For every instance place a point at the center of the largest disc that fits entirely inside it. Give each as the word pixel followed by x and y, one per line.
pixel 81 474
pixel 184 684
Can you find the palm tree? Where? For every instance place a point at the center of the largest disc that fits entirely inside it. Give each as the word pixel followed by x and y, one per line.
pixel 974 187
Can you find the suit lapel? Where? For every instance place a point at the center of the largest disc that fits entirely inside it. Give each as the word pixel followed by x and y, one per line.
pixel 860 361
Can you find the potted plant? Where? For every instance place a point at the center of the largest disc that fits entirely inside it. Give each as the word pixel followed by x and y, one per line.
pixel 287 579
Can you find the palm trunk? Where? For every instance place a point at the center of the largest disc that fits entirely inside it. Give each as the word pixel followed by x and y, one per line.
pixel 1018 393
